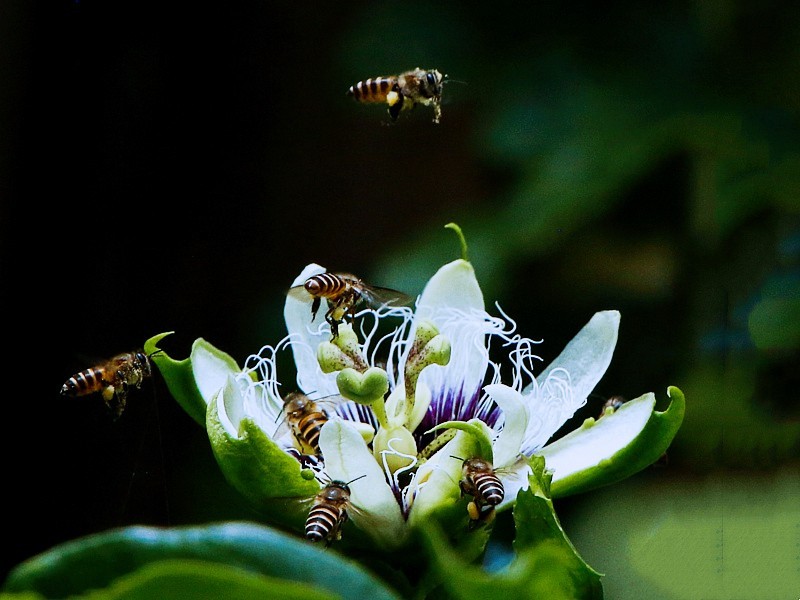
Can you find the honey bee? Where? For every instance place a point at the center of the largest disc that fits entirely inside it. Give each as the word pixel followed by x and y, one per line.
pixel 306 418
pixel 329 512
pixel 614 402
pixel 403 92
pixel 111 378
pixel 479 480
pixel 343 292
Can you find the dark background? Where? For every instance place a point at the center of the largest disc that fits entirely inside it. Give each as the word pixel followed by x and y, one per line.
pixel 170 168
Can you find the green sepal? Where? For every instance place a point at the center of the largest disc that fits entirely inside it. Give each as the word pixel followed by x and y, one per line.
pixel 545 564
pixel 605 459
pixel 271 480
pixel 250 556
pixel 193 381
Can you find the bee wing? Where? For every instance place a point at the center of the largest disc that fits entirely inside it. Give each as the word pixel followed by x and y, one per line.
pixel 378 296
pixel 359 415
pixel 330 403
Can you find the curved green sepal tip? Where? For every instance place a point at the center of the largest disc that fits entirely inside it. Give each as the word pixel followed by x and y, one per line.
pixel 261 471
pixel 247 555
pixel 615 446
pixel 192 381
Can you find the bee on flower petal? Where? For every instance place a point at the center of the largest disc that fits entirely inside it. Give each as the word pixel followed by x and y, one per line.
pixel 343 292
pixel 479 480
pixel 329 512
pixel 111 378
pixel 403 92
pixel 305 418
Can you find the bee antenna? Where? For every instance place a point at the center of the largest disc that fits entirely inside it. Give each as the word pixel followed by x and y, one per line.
pixel 446 79
pixel 356 479
pixel 154 352
pixel 457 458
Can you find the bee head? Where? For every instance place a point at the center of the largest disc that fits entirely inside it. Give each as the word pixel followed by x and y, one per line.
pixel 477 464
pixel 295 403
pixel 337 490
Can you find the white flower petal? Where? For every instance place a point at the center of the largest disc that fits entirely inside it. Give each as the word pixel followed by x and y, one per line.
pixel 230 407
pixel 305 336
pixel 563 386
pixel 453 301
pixel 348 459
pixel 211 369
pixel 588 447
pixel 507 447
pixel 453 286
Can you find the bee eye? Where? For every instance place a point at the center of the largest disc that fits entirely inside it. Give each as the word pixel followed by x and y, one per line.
pixel 431 79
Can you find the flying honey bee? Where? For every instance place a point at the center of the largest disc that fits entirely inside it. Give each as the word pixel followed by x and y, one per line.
pixel 343 292
pixel 111 378
pixel 403 92
pixel 329 512
pixel 306 418
pixel 479 480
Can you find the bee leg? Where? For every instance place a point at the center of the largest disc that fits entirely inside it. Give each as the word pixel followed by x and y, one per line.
pixel 315 307
pixel 394 109
pixel 463 489
pixel 334 325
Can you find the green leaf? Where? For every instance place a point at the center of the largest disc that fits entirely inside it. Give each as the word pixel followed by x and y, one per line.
pixel 614 447
pixel 116 559
pixel 194 380
pixel 545 564
pixel 201 580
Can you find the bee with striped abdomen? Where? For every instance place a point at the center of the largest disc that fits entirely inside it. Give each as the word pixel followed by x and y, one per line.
pixel 111 378
pixel 403 92
pixel 479 480
pixel 343 292
pixel 329 512
pixel 306 418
